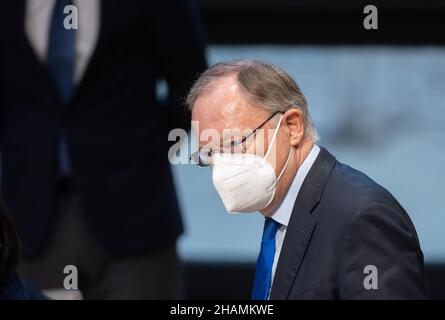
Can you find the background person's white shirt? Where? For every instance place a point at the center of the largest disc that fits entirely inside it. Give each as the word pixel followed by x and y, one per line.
pixel 38 22
pixel 284 211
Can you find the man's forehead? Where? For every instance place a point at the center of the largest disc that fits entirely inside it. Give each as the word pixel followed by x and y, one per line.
pixel 222 98
pixel 224 106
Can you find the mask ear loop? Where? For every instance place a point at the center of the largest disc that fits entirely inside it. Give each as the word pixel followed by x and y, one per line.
pixel 273 137
pixel 285 165
pixel 269 148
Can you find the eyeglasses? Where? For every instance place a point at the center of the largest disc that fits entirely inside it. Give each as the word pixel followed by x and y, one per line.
pixel 203 157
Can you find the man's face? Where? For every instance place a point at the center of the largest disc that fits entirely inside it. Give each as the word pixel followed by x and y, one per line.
pixel 224 114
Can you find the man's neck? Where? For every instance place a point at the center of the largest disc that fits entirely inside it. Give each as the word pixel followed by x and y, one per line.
pixel 298 157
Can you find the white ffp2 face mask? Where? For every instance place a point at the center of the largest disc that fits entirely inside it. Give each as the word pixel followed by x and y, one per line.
pixel 246 182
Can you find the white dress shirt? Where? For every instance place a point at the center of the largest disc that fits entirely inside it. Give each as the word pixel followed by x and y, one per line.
pixel 38 22
pixel 284 211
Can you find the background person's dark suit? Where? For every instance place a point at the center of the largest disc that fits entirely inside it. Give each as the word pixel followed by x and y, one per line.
pixel 341 222
pixel 116 131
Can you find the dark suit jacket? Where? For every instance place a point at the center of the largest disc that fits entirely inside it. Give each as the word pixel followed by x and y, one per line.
pixel 116 132
pixel 343 221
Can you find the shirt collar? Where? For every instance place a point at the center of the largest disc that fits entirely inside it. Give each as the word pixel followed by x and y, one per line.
pixel 284 211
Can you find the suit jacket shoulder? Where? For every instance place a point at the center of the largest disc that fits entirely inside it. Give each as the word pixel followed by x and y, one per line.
pixel 362 243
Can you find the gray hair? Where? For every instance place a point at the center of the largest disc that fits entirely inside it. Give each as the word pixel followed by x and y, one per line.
pixel 263 84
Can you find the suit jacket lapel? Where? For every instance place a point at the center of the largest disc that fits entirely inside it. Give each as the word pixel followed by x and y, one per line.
pixel 106 20
pixel 40 76
pixel 301 225
pixel 297 238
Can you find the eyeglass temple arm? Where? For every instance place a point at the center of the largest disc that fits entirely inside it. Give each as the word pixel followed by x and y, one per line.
pixel 259 127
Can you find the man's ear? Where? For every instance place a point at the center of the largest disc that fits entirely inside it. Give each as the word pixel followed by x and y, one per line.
pixel 293 119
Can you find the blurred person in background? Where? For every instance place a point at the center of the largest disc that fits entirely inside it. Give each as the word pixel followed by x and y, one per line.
pixel 330 232
pixel 83 139
pixel 11 286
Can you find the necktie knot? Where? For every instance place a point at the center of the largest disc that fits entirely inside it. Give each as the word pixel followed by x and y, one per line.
pixel 270 229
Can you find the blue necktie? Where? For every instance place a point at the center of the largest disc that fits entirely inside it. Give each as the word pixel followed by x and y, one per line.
pixel 60 61
pixel 263 269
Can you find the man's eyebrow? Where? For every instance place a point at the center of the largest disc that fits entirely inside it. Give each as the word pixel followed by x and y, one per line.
pixel 228 136
pixel 208 146
pixel 237 132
